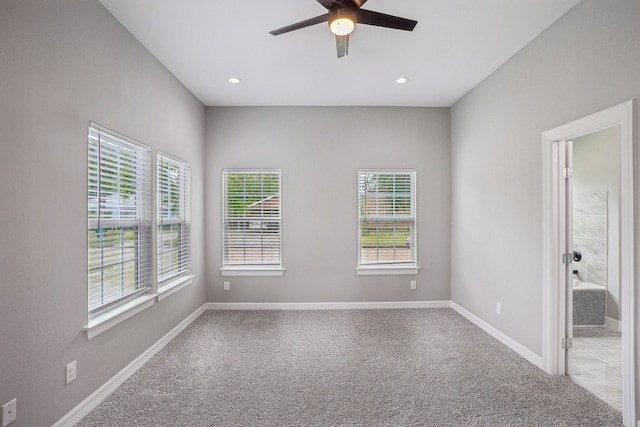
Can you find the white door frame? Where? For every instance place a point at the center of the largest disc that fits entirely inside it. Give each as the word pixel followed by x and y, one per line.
pixel 554 328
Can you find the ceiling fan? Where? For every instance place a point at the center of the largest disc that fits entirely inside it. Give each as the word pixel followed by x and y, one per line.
pixel 342 18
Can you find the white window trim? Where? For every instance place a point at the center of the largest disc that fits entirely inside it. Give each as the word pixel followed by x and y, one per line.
pixel 368 270
pixel 275 270
pixel 168 282
pixel 174 286
pixel 400 268
pixel 106 320
pixel 251 271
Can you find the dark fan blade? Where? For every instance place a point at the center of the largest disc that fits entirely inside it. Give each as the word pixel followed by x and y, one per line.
pixel 354 4
pixel 342 45
pixel 383 20
pixel 328 4
pixel 301 24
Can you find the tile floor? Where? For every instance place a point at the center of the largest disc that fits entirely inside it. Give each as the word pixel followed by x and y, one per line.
pixel 597 362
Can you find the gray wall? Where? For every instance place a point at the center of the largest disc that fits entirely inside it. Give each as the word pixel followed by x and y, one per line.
pixel 479 202
pixel 587 61
pixel 595 168
pixel 63 64
pixel 319 151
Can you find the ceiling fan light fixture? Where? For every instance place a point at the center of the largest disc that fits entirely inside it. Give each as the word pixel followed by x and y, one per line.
pixel 342 21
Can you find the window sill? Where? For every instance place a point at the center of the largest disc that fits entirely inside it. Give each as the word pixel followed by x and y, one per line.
pixel 387 270
pixel 252 272
pixel 174 286
pixel 105 321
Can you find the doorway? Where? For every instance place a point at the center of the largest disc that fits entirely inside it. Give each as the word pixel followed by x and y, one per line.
pixel 594 360
pixel 558 246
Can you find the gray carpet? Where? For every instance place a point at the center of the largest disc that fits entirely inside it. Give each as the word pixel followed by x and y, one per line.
pixel 418 367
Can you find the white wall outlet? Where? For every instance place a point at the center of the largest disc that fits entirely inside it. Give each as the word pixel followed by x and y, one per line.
pixel 226 286
pixel 8 413
pixel 498 308
pixel 70 372
pixel 413 284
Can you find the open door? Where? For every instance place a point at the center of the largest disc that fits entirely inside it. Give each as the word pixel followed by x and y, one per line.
pixel 565 269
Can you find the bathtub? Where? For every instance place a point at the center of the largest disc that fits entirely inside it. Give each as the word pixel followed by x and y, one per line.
pixel 589 304
pixel 579 284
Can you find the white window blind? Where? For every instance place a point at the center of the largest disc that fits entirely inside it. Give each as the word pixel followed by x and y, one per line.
pixel 251 218
pixel 119 218
pixel 387 217
pixel 173 217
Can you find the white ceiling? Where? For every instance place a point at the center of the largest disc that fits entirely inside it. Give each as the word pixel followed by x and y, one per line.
pixel 456 44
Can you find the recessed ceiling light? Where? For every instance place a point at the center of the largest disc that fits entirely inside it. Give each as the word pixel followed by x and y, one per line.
pixel 233 80
pixel 402 80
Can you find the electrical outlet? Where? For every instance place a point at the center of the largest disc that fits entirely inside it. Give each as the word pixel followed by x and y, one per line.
pixel 413 284
pixel 498 308
pixel 226 286
pixel 8 413
pixel 70 372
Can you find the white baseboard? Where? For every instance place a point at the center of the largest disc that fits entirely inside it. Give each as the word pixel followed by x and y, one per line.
pixel 324 305
pixel 87 405
pixel 503 338
pixel 614 324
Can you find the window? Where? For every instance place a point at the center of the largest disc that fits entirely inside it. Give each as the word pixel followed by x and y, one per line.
pixel 387 221
pixel 173 233
pixel 119 213
pixel 251 221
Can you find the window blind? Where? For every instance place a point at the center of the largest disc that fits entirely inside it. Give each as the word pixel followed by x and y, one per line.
pixel 173 235
pixel 251 218
pixel 119 218
pixel 387 217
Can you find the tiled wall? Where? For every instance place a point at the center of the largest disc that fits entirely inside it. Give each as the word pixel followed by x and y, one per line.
pixel 590 236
